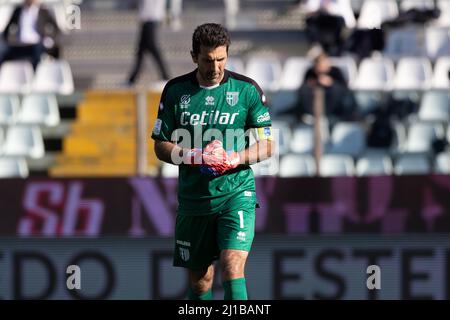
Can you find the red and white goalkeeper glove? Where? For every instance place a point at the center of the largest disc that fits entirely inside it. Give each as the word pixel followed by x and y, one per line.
pixel 218 160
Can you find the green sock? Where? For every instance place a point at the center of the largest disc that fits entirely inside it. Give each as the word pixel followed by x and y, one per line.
pixel 235 289
pixel 204 296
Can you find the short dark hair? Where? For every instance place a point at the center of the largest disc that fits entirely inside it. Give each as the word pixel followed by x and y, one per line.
pixel 210 35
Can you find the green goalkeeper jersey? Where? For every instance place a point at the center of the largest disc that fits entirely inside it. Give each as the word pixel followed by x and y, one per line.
pixel 192 116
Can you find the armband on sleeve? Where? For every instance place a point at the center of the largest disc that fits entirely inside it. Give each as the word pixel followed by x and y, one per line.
pixel 264 133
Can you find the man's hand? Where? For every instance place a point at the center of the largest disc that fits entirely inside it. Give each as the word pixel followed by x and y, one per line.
pixel 217 160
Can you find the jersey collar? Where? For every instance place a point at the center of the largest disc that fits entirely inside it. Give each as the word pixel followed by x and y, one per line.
pixel 194 80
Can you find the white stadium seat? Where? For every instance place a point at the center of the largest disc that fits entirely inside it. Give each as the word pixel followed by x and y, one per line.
pixel 440 76
pixel 437 42
pixel 294 71
pixel 348 138
pixel 266 71
pixel 16 77
pixel 444 17
pixel 413 74
pixel 9 109
pixel 375 12
pixel 412 164
pixel 442 164
pixel 13 167
pixel 40 109
pixel 295 165
pixel 236 65
pixel 421 136
pixel 370 165
pixel 375 74
pixel 24 141
pixel 434 106
pixel 53 77
pixel 336 165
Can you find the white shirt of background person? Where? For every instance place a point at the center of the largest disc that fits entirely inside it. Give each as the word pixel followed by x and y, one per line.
pixel 152 10
pixel 341 8
pixel 28 25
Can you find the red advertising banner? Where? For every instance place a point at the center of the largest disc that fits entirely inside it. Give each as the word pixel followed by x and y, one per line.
pixel 147 206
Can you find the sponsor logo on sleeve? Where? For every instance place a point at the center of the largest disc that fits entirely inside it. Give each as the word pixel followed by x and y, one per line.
pixel 157 127
pixel 264 117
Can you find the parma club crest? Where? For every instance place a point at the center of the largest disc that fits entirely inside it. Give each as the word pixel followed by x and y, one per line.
pixel 232 98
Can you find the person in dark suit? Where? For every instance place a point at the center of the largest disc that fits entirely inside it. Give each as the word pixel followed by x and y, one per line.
pixel 31 31
pixel 339 101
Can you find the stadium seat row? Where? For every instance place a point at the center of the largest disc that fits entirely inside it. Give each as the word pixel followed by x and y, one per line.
pixel 39 109
pixel 294 165
pixel 350 138
pixel 51 76
pixel 375 12
pixel 374 73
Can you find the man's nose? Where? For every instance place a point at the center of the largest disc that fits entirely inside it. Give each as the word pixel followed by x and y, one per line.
pixel 216 66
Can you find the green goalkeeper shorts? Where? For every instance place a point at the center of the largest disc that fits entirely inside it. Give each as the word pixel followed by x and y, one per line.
pixel 199 239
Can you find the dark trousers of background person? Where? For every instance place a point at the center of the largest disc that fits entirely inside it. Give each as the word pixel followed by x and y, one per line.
pixel 27 52
pixel 147 42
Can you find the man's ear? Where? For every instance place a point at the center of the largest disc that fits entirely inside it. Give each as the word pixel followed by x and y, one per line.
pixel 194 57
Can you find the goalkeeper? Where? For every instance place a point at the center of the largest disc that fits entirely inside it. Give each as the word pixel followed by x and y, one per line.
pixel 201 122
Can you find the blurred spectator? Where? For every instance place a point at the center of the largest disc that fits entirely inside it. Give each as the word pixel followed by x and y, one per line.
pixel 151 14
pixel 363 42
pixel 231 11
pixel 31 31
pixel 325 22
pixel 323 74
pixel 176 9
pixel 339 100
pixel 413 15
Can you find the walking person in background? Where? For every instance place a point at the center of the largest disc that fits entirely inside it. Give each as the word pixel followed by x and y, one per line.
pixel 151 14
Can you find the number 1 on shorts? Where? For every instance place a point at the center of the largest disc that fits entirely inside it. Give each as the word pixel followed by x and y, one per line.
pixel 241 218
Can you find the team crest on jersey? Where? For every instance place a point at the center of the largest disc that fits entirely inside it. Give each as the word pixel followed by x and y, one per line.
pixel 185 101
pixel 232 98
pixel 184 254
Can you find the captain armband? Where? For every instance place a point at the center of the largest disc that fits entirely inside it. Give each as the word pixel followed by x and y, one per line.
pixel 264 133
